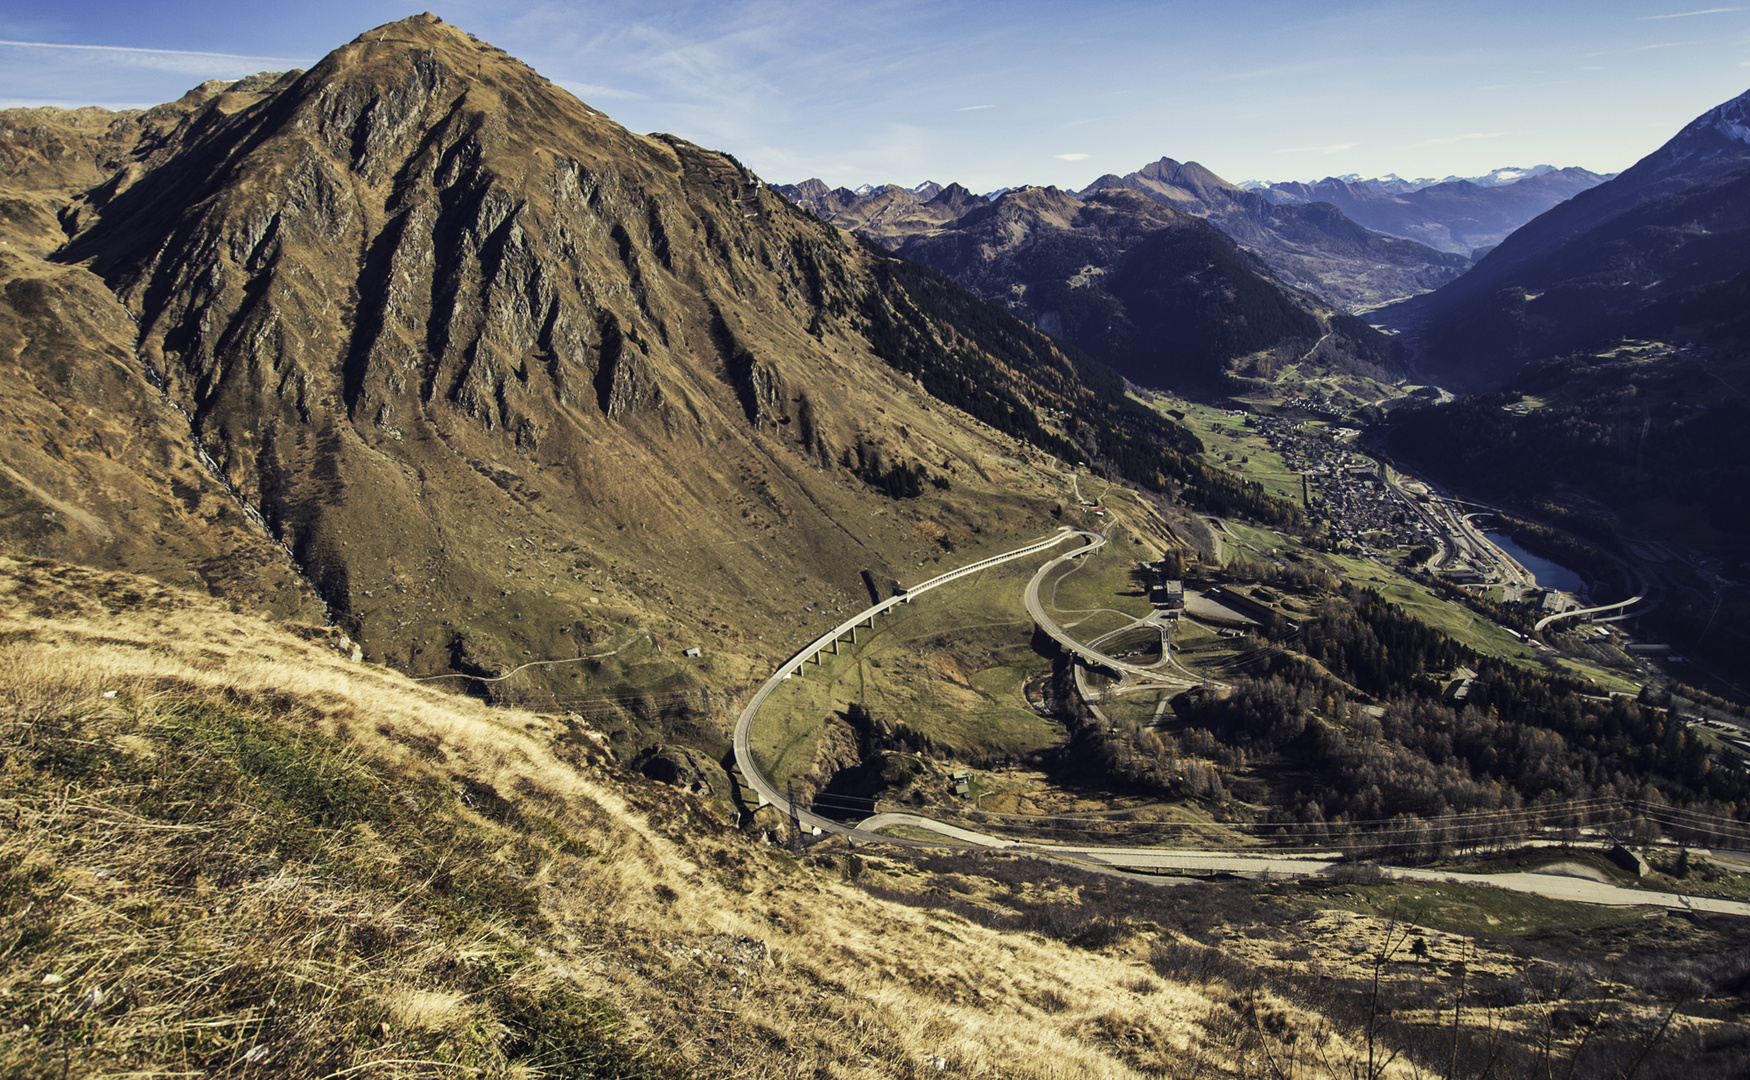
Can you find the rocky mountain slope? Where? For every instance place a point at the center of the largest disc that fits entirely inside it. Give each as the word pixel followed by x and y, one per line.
pixel 419 336
pixel 96 463
pixel 1648 253
pixel 1161 295
pixel 1458 216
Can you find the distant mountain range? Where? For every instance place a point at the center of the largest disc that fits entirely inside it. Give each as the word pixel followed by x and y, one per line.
pixel 1312 248
pixel 1662 250
pixel 1610 338
pixel 1465 216
pixel 1398 185
pixel 1333 255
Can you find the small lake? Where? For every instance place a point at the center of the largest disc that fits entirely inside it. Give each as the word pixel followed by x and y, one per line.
pixel 1549 575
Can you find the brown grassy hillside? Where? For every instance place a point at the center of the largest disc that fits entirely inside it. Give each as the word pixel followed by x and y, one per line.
pixel 227 847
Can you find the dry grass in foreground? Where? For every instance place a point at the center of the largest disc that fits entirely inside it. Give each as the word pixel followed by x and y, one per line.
pixel 227 850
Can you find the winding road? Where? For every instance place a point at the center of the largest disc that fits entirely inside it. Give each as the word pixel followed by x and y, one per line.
pixel 1553 885
pixel 1088 654
pixel 744 759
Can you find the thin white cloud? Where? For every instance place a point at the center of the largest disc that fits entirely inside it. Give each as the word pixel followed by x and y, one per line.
pixel 1687 14
pixel 71 103
pixel 1448 140
pixel 1072 157
pixel 585 91
pixel 1334 148
pixel 81 58
pixel 148 52
pixel 974 108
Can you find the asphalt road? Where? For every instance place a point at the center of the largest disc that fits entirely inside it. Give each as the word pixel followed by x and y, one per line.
pixel 794 666
pixel 1554 885
pixel 1036 611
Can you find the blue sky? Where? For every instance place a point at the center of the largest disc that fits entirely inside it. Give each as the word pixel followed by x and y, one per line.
pixel 998 94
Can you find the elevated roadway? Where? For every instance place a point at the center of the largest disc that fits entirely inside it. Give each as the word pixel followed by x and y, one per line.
pixel 768 794
pixel 797 663
pixel 1583 612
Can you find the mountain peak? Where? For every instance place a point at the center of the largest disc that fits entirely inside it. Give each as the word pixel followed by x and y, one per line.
pixel 811 188
pixel 1720 133
pixel 1035 195
pixel 956 196
pixel 425 26
pixel 1731 119
pixel 488 311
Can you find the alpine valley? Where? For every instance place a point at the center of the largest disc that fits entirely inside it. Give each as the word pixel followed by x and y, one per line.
pixel 490 593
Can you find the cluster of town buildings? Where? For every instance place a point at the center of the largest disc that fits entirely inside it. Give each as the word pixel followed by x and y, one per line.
pixel 1344 488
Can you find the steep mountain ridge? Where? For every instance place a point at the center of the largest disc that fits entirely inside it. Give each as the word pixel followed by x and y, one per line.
pixel 1161 295
pixel 1708 146
pixel 97 464
pixel 1597 266
pixel 418 281
pixel 489 367
pixel 1312 247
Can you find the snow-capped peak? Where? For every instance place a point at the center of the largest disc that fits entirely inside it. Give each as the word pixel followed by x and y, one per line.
pixel 1733 118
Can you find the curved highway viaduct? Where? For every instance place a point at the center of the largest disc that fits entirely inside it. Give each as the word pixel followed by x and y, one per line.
pixel 811 651
pixel 794 666
pixel 1580 613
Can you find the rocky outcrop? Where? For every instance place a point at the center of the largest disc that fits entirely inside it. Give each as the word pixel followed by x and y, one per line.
pixel 684 768
pixel 98 466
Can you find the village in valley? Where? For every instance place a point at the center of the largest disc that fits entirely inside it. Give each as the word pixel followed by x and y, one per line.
pixel 1452 561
